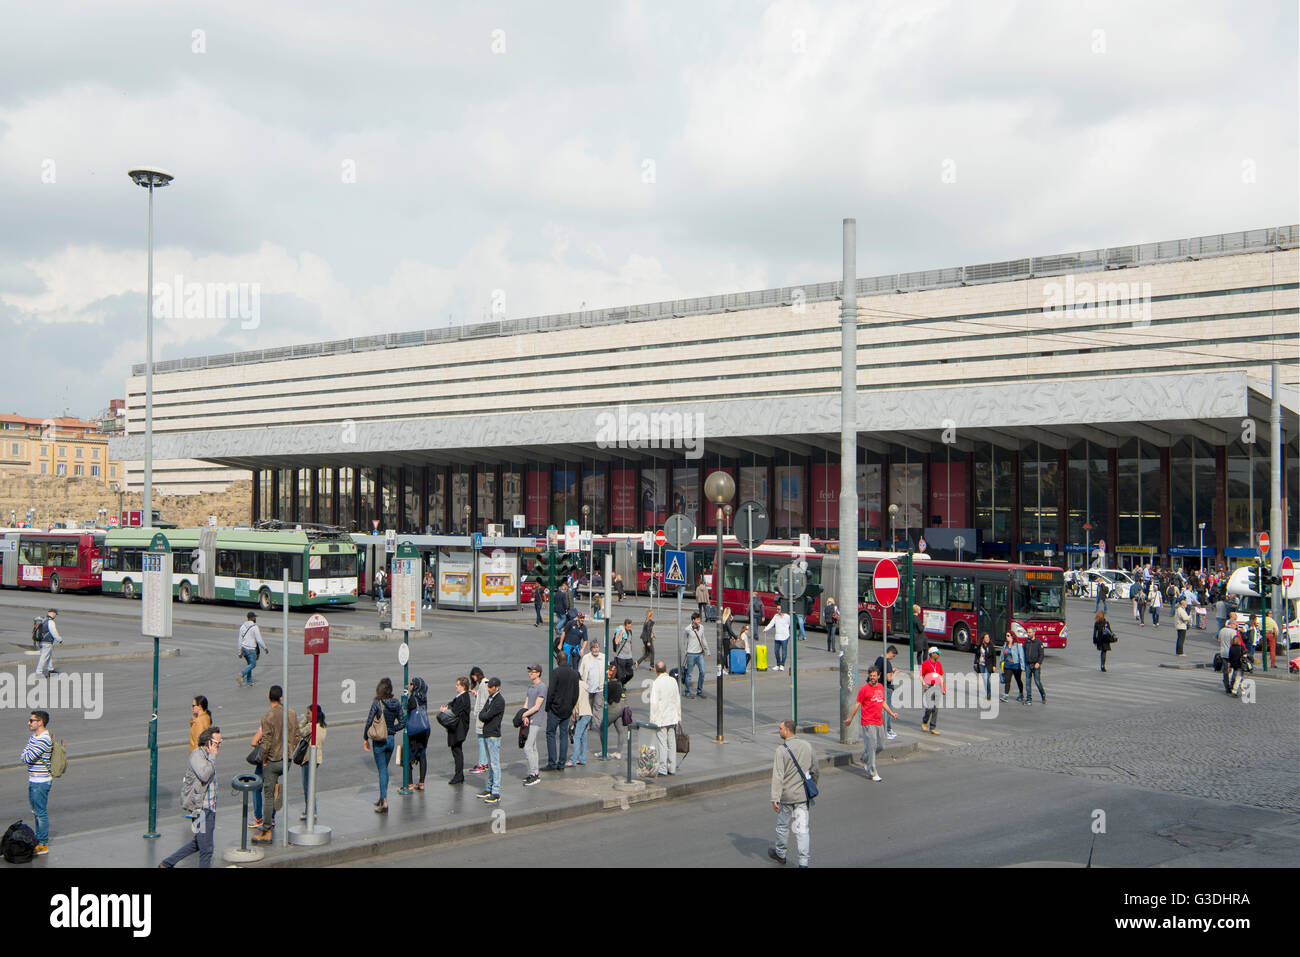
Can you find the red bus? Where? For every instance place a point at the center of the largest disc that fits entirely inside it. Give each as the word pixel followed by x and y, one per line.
pixel 55 561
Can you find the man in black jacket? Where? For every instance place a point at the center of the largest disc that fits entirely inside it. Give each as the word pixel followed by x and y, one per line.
pixel 561 697
pixel 1034 668
pixel 490 717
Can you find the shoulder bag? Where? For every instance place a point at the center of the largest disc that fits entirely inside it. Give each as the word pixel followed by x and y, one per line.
pixel 300 752
pixel 683 740
pixel 418 720
pixel 378 730
pixel 448 719
pixel 809 785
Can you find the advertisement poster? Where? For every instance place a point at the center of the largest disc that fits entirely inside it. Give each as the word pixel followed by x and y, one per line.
pixel 686 494
pixel 539 499
pixel 455 568
pixel 947 495
pixel 789 497
pixel 905 492
pixel 623 507
pixel 497 580
pixel 826 497
pixel 593 494
pixel 653 500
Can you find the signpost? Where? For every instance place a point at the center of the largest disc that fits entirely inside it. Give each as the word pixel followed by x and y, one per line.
pixel 572 537
pixel 316 642
pixel 1288 574
pixel 920 545
pixel 675 574
pixel 155 622
pixel 792 582
pixel 885 587
pixel 751 531
pixel 678 531
pixel 1263 544
pixel 405 582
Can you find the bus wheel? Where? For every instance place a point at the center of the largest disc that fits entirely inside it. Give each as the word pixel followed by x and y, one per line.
pixel 185 593
pixel 128 588
pixel 864 626
pixel 961 637
pixel 654 589
pixel 54 584
pixel 264 600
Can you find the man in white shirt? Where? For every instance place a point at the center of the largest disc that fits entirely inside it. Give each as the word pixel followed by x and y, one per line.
pixel 781 622
pixel 251 647
pixel 666 712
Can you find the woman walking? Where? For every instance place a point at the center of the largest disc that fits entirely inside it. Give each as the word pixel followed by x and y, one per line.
pixel 383 721
pixel 428 588
pixel 831 619
pixel 648 639
pixel 1013 660
pixel 985 662
pixel 1154 600
pixel 200 720
pixel 623 666
pixel 417 731
pixel 458 706
pixel 1102 636
pixel 304 731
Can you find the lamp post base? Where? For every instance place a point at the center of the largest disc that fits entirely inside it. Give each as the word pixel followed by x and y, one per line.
pixel 315 837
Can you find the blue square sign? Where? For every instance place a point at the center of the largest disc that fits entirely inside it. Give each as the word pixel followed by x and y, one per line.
pixel 674 568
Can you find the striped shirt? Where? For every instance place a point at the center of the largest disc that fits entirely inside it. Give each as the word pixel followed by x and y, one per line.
pixel 37 755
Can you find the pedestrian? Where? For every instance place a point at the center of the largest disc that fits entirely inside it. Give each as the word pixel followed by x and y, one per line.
pixel 591 670
pixel 756 609
pixel 885 667
pixel 49 637
pixel 781 624
pixel 199 799
pixel 701 597
pixel 200 719
pixel 598 608
pixel 697 649
pixel 1237 661
pixel 871 701
pixel 270 735
pixel 461 708
pixel 478 695
pixel 1270 639
pixel 1034 668
pixel 428 588
pixel 800 616
pixel 1102 636
pixel 1154 602
pixel 985 662
pixel 38 754
pixel 251 648
pixel 539 598
pixel 1134 593
pixel 418 729
pixel 379 735
pixel 618 586
pixel 624 666
pixel 1226 635
pixel 1221 611
pixel 1103 592
pixel 314 716
pixel 560 604
pixel 1013 660
pixel 581 720
pixel 534 700
pixel 561 699
pixel 489 717
pixel 1181 619
pixel 918 628
pixel 665 715
pixel 831 619
pixel 932 686
pixel 574 637
pixel 647 640
pixel 792 764
pixel 381 579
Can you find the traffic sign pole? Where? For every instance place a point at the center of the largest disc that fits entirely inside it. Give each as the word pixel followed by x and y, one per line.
pixel 156 620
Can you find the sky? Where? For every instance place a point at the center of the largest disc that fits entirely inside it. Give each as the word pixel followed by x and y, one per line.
pixel 364 168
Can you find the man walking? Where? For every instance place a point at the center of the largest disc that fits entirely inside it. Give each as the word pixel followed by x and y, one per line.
pixel 781 622
pixel 561 698
pixel 1181 617
pixel 1103 592
pixel 575 636
pixel 251 647
pixel 38 755
pixel 270 735
pixel 1034 668
pixel 793 759
pixel 697 649
pixel 199 800
pixel 871 700
pixel 534 699
pixel 884 668
pixel 666 714
pixel 933 687
pixel 490 719
pixel 560 603
pixel 624 666
pixel 539 599
pixel 592 672
pixel 48 638
pixel 1226 636
pixel 701 597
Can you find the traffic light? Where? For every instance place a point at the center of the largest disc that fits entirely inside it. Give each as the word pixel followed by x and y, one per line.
pixel 1266 583
pixel 1255 579
pixel 542 569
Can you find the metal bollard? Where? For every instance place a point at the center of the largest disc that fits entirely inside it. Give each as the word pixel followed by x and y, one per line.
pixel 247 784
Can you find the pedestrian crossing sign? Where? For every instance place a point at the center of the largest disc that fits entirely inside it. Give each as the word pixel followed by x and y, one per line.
pixel 674 568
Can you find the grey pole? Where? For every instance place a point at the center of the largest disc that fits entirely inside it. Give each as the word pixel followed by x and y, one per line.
pixel 284 713
pixel 753 626
pixel 848 597
pixel 147 502
pixel 1276 533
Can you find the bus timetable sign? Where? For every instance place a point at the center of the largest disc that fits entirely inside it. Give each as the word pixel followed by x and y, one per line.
pixel 885 583
pixel 316 636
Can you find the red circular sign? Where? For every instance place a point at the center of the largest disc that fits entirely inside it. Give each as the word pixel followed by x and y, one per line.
pixel 660 538
pixel 1288 572
pixel 885 583
pixel 1263 543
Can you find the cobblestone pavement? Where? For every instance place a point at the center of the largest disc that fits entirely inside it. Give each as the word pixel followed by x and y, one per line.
pixel 1228 750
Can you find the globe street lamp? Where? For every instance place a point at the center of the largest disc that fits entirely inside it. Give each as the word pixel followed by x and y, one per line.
pixel 719 488
pixel 150 179
pixel 893 535
pixel 1201 529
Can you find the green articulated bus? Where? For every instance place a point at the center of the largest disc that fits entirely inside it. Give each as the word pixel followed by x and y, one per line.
pixel 239 564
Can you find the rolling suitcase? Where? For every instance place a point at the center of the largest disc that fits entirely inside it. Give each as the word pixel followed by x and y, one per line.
pixel 760 657
pixel 710 612
pixel 737 661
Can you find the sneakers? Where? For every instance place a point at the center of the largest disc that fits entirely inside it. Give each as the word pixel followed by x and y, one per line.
pixel 875 777
pixel 255 823
pixel 493 799
pixel 531 780
pixel 892 735
pixel 771 852
pixel 478 769
pixel 41 849
pixel 934 730
pixel 925 725
pixel 483 794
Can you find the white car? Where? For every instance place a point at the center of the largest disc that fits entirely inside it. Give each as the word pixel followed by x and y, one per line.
pixel 1115 582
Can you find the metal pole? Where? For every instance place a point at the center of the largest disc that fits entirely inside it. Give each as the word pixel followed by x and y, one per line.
pixel 284 710
pixel 604 698
pixel 753 626
pixel 153 748
pixel 406 691
pixel 147 501
pixel 311 769
pixel 848 560
pixel 911 618
pixel 550 646
pixel 1276 533
pixel 794 668
pixel 680 675
pixel 717 586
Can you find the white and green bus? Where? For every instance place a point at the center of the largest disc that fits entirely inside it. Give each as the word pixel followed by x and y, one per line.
pixel 239 565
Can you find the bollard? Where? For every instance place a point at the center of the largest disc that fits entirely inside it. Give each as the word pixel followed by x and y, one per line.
pixel 246 784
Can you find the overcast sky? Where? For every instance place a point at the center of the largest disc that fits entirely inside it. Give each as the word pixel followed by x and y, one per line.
pixel 388 166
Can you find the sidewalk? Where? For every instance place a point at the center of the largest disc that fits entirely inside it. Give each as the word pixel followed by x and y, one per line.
pixel 441 813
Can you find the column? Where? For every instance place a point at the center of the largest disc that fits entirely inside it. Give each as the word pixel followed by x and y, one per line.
pixel 275 494
pixel 424 499
pixel 886 542
pixel 1013 527
pixel 256 496
pixel 1166 522
pixel 315 495
pixel 1220 525
pixel 1112 510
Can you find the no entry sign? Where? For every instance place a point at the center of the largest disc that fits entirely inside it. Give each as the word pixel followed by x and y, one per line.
pixel 1288 573
pixel 660 538
pixel 885 584
pixel 1263 543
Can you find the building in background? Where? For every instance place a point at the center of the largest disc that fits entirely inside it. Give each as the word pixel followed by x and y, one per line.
pixel 56 446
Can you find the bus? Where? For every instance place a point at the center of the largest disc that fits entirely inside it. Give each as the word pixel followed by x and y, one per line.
pixel 55 561
pixel 240 565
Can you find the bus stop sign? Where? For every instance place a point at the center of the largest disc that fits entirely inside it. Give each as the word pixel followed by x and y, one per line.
pixel 885 583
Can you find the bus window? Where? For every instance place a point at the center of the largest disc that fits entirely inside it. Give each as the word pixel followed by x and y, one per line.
pixel 961 594
pixel 736 575
pixel 933 592
pixel 865 583
pixel 245 564
pixel 1033 600
pixel 31 553
pixel 226 563
pixel 61 554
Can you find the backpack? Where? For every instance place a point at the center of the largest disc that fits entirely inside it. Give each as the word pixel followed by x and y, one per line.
pixel 18 846
pixel 58 757
pixel 40 631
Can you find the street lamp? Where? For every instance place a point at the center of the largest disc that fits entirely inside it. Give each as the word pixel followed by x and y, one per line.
pixel 150 179
pixel 468 511
pixel 727 510
pixel 719 488
pixel 893 535
pixel 1201 529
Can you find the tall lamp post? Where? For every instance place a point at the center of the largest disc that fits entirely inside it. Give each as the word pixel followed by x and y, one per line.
pixel 719 488
pixel 591 595
pixel 893 535
pixel 150 179
pixel 1201 530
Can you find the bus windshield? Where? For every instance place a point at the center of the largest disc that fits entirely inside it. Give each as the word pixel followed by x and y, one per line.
pixel 1034 599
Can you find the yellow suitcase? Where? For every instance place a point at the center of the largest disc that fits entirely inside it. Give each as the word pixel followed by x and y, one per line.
pixel 760 656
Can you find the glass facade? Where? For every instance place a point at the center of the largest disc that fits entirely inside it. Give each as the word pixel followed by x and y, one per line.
pixel 686 493
pixel 487 498
pixel 325 496
pixel 593 496
pixel 437 500
pixel 283 510
pixel 459 502
pixel 389 490
pixel 304 496
pixel 994 478
pixel 565 498
pixel 654 498
pixel 512 496
pixel 412 480
pixel 347 506
pixel 1039 494
pixel 366 511
pixel 1089 492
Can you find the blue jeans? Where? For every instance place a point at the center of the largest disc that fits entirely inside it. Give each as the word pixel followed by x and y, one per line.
pixel 889 700
pixel 250 655
pixel 988 679
pixel 306 768
pixel 39 796
pixel 780 652
pixel 494 764
pixel 694 661
pixel 202 827
pixel 554 722
pixel 257 795
pixel 538 608
pixel 482 750
pixel 798 620
pixel 383 752
pixel 580 740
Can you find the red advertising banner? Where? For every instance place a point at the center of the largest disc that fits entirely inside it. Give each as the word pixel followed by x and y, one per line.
pixel 947 495
pixel 826 496
pixel 539 498
pixel 623 507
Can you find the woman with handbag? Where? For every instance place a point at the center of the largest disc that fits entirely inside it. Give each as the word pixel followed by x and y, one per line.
pixel 304 745
pixel 1102 636
pixel 383 721
pixel 454 716
pixel 648 640
pixel 417 728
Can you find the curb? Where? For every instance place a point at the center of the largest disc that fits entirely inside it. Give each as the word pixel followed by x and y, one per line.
pixel 65 658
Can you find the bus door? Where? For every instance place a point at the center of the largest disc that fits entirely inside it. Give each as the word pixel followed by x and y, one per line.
pixel 208 570
pixel 993 611
pixel 9 567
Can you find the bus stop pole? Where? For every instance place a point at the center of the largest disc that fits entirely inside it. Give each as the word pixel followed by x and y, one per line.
pixel 794 668
pixel 550 611
pixel 753 626
pixel 284 708
pixel 604 698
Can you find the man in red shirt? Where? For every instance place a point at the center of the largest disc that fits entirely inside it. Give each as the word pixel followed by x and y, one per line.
pixel 871 699
pixel 932 685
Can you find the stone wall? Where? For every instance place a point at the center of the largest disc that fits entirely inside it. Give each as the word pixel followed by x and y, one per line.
pixel 57 499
